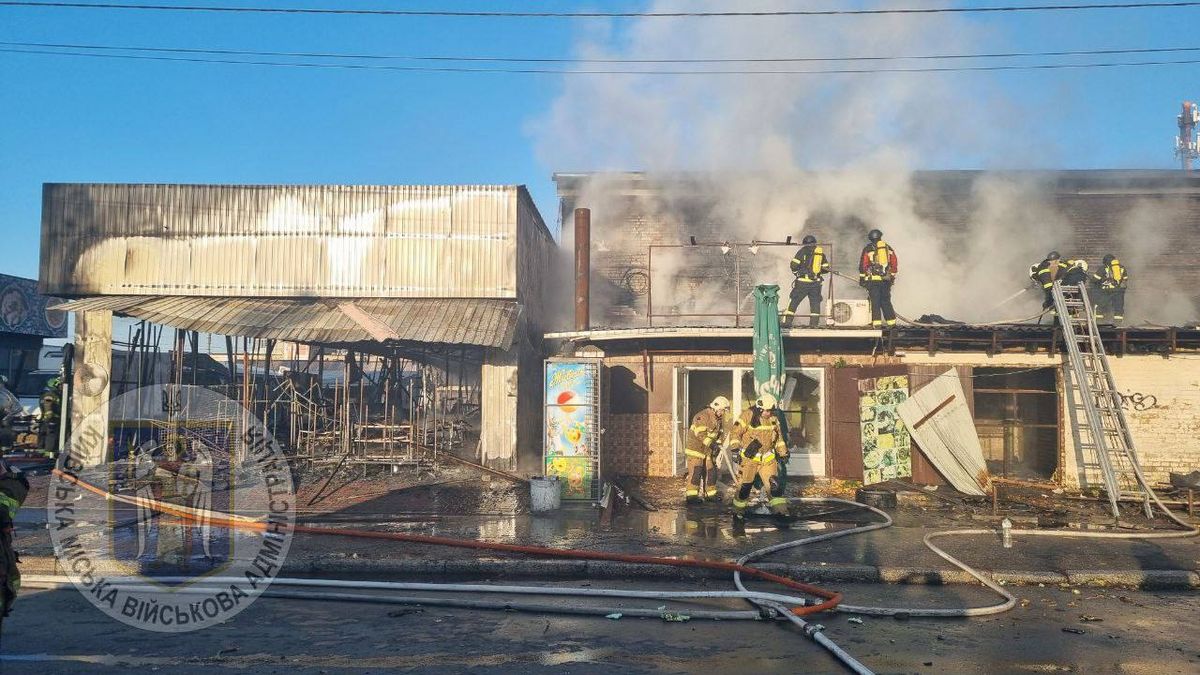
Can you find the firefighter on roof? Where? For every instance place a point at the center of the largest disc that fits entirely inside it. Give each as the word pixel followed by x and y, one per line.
pixel 1053 268
pixel 703 443
pixel 809 266
pixel 757 438
pixel 1111 280
pixel 877 269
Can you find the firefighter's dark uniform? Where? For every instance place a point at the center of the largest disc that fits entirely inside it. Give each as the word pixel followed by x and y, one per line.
pixel 1112 280
pixel 1047 271
pixel 13 489
pixel 702 440
pixel 49 403
pixel 760 443
pixel 809 267
pixel 877 269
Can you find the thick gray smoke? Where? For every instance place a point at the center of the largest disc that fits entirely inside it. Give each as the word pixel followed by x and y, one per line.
pixel 774 152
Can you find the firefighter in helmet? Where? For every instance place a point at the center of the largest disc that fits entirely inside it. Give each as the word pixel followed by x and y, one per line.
pixel 757 438
pixel 1055 268
pixel 1111 280
pixel 877 269
pixel 703 443
pixel 809 266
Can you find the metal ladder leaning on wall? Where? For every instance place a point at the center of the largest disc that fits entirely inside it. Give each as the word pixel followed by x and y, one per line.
pixel 1103 429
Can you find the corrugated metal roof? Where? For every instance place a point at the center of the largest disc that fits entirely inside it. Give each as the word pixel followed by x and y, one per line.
pixel 455 321
pixel 348 241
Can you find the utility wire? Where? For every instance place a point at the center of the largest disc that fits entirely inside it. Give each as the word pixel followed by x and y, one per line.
pixel 600 14
pixel 562 71
pixel 512 59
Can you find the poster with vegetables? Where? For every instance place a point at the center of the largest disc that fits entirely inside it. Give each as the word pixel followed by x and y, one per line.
pixel 886 445
pixel 571 447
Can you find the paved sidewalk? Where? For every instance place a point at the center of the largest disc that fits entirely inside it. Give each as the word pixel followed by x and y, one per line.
pixel 895 554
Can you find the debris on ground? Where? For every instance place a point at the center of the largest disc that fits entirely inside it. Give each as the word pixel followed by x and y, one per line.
pixel 854 619
pixel 1076 631
pixel 614 616
pixel 1088 618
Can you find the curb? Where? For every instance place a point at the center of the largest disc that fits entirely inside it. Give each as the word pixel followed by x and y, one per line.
pixel 601 569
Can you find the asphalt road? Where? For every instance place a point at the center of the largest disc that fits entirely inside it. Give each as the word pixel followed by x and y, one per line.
pixel 1138 632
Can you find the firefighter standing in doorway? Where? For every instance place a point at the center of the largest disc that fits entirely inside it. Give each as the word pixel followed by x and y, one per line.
pixel 877 269
pixel 809 266
pixel 757 438
pixel 1053 267
pixel 703 443
pixel 1111 279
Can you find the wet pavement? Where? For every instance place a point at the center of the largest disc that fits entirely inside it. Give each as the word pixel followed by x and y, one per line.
pixel 1051 630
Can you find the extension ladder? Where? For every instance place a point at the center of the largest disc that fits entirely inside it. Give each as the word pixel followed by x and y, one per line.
pixel 1103 432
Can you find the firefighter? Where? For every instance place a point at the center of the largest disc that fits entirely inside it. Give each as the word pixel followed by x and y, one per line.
pixel 13 489
pixel 703 443
pixel 809 266
pixel 757 438
pixel 1111 279
pixel 1052 268
pixel 49 403
pixel 877 272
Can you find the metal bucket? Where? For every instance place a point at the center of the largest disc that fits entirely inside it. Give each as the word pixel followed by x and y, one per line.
pixel 545 493
pixel 880 499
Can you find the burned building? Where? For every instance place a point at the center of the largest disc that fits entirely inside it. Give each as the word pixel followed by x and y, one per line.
pixel 425 274
pixel 671 339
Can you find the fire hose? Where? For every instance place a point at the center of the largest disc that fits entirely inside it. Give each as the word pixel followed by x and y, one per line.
pixel 771 605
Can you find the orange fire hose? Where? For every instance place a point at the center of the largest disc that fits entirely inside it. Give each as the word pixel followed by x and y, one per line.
pixel 831 598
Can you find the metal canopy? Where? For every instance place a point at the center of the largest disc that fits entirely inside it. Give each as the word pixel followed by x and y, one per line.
pixel 452 321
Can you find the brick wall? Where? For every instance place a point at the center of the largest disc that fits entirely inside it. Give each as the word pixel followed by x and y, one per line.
pixel 1165 430
pixel 638 435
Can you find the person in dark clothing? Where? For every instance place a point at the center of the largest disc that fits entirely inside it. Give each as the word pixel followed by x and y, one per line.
pixel 1111 280
pixel 809 266
pixel 14 487
pixel 877 269
pixel 1053 267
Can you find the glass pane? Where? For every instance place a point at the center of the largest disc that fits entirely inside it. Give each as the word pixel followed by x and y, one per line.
pixel 803 413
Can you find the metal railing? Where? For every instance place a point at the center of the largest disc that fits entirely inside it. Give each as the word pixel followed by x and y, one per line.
pixel 740 295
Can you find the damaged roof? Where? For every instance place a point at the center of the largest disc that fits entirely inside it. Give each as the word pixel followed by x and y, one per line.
pixel 452 321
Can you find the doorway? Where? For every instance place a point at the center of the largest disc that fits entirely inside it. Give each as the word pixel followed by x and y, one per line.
pixel 802 403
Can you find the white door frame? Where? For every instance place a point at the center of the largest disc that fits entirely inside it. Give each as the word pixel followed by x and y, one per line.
pixel 799 465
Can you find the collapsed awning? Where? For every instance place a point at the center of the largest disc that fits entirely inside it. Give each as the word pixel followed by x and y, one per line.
pixel 452 321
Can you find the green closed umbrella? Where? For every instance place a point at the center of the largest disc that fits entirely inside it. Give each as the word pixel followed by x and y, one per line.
pixel 768 343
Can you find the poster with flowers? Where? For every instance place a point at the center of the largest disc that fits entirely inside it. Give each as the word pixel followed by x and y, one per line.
pixel 571 448
pixel 886 444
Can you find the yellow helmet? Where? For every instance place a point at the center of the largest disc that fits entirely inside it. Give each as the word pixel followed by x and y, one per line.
pixel 766 402
pixel 720 404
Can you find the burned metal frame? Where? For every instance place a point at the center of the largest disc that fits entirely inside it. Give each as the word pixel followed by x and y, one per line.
pixel 737 281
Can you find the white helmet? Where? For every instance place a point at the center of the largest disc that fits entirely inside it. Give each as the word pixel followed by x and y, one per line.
pixel 720 404
pixel 766 402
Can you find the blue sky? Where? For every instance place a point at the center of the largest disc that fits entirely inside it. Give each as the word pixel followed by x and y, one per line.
pixel 99 120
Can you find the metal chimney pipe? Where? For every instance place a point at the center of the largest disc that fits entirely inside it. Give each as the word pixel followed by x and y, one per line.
pixel 583 268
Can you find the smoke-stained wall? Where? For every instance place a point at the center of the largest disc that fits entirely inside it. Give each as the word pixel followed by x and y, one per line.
pixel 965 239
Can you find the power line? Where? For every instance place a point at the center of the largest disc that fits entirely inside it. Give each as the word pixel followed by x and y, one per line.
pixel 562 71
pixel 599 14
pixel 512 59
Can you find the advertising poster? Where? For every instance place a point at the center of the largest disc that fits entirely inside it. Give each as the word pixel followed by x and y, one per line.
pixel 886 444
pixel 571 447
pixel 23 310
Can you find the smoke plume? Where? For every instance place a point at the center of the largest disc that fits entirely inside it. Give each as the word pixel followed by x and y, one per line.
pixel 763 156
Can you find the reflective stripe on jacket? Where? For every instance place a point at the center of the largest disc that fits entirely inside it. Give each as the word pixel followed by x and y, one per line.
pixel 704 431
pixel 878 262
pixel 809 264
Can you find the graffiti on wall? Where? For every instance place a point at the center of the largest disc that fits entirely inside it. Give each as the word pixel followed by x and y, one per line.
pixel 886 444
pixel 23 309
pixel 1138 401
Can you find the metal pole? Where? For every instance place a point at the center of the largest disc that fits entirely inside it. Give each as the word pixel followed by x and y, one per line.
pixel 583 268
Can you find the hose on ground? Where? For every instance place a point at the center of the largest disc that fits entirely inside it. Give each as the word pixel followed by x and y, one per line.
pixel 829 599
